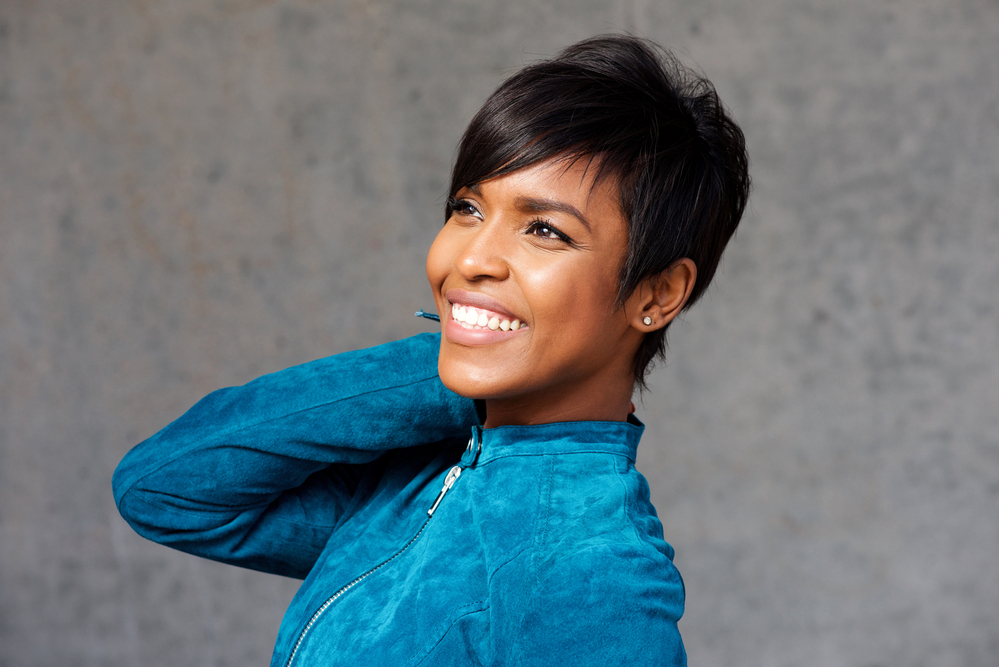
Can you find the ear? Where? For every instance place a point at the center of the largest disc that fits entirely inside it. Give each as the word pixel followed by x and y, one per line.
pixel 661 297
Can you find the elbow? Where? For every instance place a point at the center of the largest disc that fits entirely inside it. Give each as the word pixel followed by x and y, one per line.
pixel 154 510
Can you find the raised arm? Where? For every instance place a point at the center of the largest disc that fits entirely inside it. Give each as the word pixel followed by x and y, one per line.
pixel 259 475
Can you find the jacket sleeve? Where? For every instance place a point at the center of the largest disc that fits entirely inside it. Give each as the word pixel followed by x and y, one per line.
pixel 259 475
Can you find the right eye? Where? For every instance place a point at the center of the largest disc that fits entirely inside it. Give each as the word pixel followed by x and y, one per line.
pixel 463 207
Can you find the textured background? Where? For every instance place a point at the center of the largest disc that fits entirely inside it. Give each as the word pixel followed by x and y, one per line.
pixel 193 193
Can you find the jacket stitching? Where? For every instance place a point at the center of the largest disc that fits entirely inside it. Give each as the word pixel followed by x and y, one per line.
pixel 207 512
pixel 184 451
pixel 548 514
pixel 627 508
pixel 427 650
pixel 509 560
pixel 499 457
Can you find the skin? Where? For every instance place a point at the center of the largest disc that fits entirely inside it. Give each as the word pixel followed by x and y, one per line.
pixel 546 245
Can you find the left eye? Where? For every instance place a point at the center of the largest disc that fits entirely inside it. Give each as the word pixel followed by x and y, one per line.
pixel 546 231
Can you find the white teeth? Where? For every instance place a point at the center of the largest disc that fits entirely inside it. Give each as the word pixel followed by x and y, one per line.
pixel 470 318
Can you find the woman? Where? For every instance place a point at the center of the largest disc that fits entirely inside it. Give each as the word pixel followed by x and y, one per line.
pixel 590 202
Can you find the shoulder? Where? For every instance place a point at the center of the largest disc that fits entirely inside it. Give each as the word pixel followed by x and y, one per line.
pixel 604 587
pixel 599 506
pixel 628 577
pixel 605 604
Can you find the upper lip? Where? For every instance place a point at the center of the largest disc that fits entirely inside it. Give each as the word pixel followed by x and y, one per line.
pixel 478 300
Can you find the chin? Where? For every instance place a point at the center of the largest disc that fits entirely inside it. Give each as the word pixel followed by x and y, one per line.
pixel 464 383
pixel 472 380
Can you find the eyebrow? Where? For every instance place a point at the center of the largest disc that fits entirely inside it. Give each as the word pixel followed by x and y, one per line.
pixel 542 205
pixel 536 205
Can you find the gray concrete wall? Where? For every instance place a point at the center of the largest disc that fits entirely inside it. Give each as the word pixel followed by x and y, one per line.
pixel 193 193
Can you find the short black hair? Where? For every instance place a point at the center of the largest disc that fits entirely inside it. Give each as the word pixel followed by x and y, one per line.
pixel 653 124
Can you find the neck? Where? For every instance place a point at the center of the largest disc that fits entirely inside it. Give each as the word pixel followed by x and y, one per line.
pixel 610 402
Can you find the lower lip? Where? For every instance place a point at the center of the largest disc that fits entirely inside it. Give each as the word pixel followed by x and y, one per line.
pixel 459 334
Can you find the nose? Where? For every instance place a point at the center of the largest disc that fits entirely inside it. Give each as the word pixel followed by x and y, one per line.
pixel 485 254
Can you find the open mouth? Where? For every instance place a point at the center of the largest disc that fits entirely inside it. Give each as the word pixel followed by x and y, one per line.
pixel 470 317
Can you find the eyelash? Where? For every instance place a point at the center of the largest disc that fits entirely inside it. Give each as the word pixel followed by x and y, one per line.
pixel 458 206
pixel 538 224
pixel 461 206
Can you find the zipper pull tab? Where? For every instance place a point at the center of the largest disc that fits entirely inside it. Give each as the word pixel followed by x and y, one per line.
pixel 452 475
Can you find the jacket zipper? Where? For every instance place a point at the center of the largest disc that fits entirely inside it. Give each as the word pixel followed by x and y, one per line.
pixel 449 481
pixel 452 476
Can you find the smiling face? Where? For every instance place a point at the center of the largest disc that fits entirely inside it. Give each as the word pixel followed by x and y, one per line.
pixel 525 274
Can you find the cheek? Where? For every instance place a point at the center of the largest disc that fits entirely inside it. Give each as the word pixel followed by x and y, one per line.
pixel 438 259
pixel 574 295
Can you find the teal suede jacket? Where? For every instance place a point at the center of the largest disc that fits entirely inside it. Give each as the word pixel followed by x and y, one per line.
pixel 419 545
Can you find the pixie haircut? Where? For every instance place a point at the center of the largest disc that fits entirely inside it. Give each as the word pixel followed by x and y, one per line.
pixel 639 116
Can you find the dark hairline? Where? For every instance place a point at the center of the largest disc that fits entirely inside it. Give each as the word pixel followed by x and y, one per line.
pixel 543 204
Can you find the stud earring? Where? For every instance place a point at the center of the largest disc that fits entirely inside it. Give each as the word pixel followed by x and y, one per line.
pixel 647 320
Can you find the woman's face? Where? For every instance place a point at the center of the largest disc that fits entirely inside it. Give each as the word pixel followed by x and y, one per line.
pixel 525 275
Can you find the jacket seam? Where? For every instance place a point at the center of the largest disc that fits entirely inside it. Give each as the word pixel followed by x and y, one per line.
pixel 628 512
pixel 627 508
pixel 483 605
pixel 548 514
pixel 429 650
pixel 569 453
pixel 183 451
pixel 238 512
pixel 509 560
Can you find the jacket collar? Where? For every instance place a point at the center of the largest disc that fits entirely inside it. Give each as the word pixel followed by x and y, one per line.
pixel 620 438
